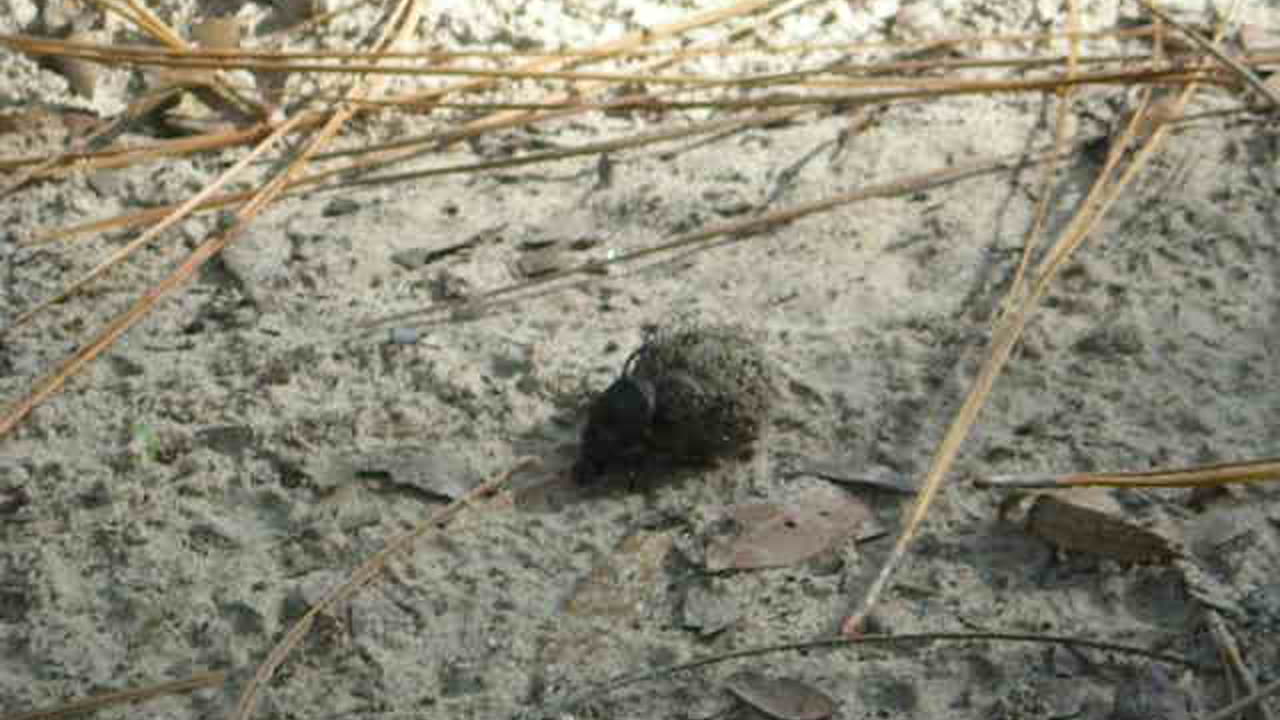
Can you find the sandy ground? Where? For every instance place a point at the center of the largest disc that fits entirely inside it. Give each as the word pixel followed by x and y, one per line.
pixel 194 490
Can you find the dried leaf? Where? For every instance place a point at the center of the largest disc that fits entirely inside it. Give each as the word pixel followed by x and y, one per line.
pixel 773 535
pixel 781 698
pixel 1088 520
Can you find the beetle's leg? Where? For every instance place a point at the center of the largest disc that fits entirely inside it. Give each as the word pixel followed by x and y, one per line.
pixel 631 359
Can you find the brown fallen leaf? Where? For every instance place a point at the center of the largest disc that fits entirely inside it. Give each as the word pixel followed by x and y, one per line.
pixel 774 534
pixel 1089 520
pixel 781 698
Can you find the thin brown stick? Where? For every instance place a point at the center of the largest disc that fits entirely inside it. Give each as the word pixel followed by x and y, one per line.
pixel 116 157
pixel 299 184
pixel 695 81
pixel 36 44
pixel 1230 650
pixel 738 228
pixel 1101 196
pixel 1017 289
pixel 1251 78
pixel 167 215
pixel 1246 702
pixel 206 250
pixel 606 50
pixel 609 686
pixel 361 577
pixel 1214 475
pixel 199 681
pixel 927 89
pixel 121 324
pixel 143 17
pixel 1006 334
pixel 179 213
pixel 237 59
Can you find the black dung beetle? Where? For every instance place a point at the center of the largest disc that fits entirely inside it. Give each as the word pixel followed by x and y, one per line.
pixel 618 427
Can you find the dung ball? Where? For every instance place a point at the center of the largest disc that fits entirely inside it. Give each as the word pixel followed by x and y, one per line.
pixel 691 392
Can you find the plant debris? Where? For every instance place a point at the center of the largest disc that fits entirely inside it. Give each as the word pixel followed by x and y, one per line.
pixel 781 698
pixel 1088 520
pixel 773 534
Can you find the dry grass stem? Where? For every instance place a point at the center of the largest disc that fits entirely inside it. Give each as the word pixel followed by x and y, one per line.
pixel 1251 78
pixel 359 578
pixel 731 232
pixel 566 706
pixel 1229 649
pixel 1108 186
pixel 1246 702
pixel 121 324
pixel 122 697
pixel 1253 471
pixel 570 85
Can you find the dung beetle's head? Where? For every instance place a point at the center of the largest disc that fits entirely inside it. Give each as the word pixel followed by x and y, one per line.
pixel 618 427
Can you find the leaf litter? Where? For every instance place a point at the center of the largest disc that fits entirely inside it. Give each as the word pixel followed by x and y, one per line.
pixel 781 698
pixel 774 534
